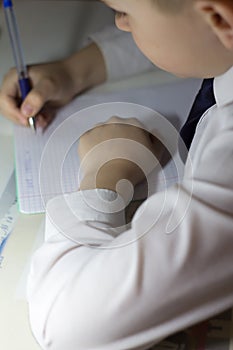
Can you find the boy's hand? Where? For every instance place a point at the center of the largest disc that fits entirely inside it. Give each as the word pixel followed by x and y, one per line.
pixel 53 85
pixel 51 88
pixel 119 149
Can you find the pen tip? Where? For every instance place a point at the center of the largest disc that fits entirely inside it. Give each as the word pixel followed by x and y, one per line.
pixel 32 124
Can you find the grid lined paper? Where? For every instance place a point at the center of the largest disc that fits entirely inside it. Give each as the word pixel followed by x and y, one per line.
pixel 47 164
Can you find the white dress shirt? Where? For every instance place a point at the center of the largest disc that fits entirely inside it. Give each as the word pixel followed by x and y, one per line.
pixel 122 56
pixel 94 287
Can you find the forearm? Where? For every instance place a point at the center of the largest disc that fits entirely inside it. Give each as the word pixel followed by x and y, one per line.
pixel 86 68
pixel 143 275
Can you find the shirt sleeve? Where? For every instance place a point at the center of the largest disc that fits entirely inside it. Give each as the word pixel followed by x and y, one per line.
pixel 122 57
pixel 90 288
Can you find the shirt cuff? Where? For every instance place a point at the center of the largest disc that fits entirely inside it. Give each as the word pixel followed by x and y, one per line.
pixel 98 208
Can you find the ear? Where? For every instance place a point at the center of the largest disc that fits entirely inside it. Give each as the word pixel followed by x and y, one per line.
pixel 219 15
pixel 122 22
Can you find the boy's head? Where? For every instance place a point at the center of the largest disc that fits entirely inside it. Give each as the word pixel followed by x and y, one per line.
pixel 185 37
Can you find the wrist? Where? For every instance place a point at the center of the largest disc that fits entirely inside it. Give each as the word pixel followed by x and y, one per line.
pixel 100 181
pixel 114 176
pixel 86 68
pixel 115 184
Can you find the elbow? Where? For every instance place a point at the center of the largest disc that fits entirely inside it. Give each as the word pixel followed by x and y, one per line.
pixel 72 322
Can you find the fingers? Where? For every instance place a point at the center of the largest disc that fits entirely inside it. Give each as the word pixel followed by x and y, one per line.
pixel 37 98
pixel 117 123
pixel 127 121
pixel 9 98
pixel 10 101
pixel 133 129
pixel 9 108
pixel 45 117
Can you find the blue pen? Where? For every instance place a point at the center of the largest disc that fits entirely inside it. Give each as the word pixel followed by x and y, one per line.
pixel 24 82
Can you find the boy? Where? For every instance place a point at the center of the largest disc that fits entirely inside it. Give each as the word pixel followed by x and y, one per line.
pixel 130 297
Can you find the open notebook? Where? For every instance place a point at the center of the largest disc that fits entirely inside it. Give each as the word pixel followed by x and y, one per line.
pixel 47 164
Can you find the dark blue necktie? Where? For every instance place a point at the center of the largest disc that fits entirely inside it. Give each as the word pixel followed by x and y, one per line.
pixel 204 100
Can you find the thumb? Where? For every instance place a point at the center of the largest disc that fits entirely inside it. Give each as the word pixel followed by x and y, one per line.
pixel 37 98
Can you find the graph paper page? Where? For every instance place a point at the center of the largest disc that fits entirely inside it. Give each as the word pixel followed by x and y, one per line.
pixel 47 164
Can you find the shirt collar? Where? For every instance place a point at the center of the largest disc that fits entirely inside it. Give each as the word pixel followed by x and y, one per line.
pixel 223 88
